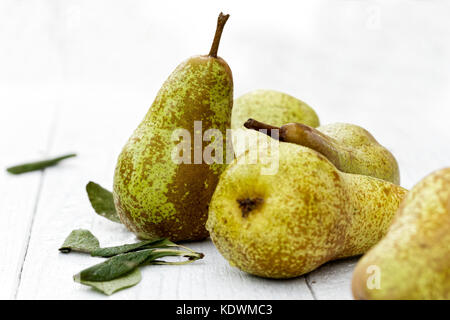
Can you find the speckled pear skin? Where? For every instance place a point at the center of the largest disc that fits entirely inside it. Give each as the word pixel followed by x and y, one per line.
pixel 298 219
pixel 359 152
pixel 273 107
pixel 414 257
pixel 269 106
pixel 154 196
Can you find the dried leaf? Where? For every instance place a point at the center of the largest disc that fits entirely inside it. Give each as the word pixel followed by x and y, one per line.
pixel 80 240
pixel 121 269
pixel 109 287
pixel 123 263
pixel 38 165
pixel 102 201
pixel 116 266
pixel 146 244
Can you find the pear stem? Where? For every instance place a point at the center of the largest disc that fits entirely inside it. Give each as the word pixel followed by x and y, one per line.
pixel 221 20
pixel 303 135
pixel 257 125
pixel 312 138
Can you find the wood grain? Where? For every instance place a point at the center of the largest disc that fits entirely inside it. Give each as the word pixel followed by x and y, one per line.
pixel 23 139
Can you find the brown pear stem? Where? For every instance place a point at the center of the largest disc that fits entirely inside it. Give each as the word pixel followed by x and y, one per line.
pixel 221 20
pixel 303 135
pixel 256 125
pixel 267 129
pixel 307 136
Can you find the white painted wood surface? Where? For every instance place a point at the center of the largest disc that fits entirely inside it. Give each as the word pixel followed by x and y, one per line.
pixel 79 76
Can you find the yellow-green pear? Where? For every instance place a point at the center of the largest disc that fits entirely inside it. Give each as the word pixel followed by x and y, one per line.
pixel 413 260
pixel 306 213
pixel 268 106
pixel 155 193
pixel 349 147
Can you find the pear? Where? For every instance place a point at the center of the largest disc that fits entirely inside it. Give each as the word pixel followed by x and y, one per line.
pixel 289 223
pixel 155 194
pixel 349 147
pixel 269 106
pixel 413 260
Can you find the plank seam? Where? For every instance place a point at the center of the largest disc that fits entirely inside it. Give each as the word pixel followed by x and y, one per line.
pixel 29 230
pixel 309 285
pixel 36 203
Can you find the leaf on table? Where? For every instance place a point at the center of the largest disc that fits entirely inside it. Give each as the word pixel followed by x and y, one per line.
pixel 102 201
pixel 121 269
pixel 109 287
pixel 80 240
pixel 116 266
pixel 37 165
pixel 123 263
pixel 146 244
pixel 160 253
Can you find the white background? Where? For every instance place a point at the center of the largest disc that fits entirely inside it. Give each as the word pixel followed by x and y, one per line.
pixel 80 75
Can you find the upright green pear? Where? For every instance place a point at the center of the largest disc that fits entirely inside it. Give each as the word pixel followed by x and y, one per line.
pixel 413 260
pixel 269 106
pixel 305 214
pixel 155 193
pixel 349 147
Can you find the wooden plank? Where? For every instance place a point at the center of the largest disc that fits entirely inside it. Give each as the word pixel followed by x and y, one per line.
pixel 332 281
pixel 23 139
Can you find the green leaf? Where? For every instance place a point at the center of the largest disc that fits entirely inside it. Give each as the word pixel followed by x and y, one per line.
pixel 146 244
pixel 102 201
pixel 121 270
pixel 160 253
pixel 115 266
pixel 109 287
pixel 123 263
pixel 80 240
pixel 38 165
